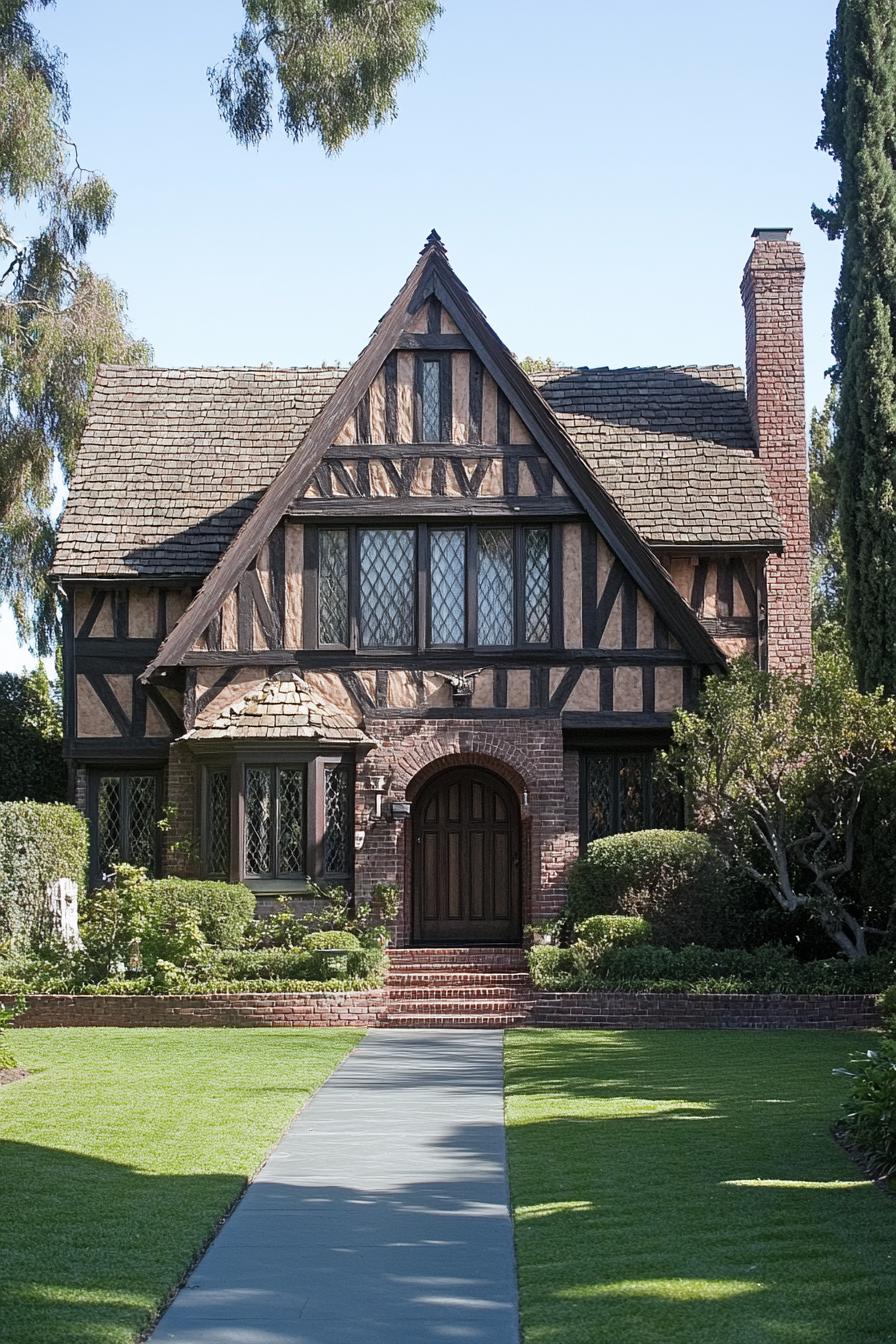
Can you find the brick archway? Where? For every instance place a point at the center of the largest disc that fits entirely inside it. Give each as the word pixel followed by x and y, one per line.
pixel 527 753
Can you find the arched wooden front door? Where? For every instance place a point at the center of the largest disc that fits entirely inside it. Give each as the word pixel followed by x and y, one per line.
pixel 466 826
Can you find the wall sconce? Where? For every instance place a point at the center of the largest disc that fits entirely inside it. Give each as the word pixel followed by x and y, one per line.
pixel 359 840
pixel 400 809
pixel 525 797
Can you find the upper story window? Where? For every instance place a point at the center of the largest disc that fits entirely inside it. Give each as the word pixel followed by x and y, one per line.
pixel 444 587
pixel 430 400
pixel 388 585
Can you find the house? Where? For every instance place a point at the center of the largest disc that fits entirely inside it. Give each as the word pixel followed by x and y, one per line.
pixel 427 620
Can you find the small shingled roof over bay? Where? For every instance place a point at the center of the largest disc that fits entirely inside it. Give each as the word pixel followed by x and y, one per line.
pixel 284 707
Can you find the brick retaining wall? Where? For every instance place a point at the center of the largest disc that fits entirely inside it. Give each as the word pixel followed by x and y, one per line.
pixel 612 1010
pixel 616 1009
pixel 358 1008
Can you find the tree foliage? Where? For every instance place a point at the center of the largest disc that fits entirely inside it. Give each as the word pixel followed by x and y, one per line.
pixel 774 769
pixel 337 64
pixel 859 131
pixel 58 319
pixel 30 739
pixel 828 591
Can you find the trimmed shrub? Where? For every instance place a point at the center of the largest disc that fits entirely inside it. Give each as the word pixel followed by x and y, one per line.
pixel 223 910
pixel 331 939
pixel 674 879
pixel 603 931
pixel 704 970
pixel 39 842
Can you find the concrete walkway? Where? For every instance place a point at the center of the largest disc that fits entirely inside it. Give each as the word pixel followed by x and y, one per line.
pixel 382 1217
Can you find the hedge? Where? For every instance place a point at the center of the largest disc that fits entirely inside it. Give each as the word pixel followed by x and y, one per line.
pixel 39 842
pixel 604 931
pixel 705 970
pixel 676 880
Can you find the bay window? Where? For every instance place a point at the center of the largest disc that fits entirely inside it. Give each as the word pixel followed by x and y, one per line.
pixel 277 824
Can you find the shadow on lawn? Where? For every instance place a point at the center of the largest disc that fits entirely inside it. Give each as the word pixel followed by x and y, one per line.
pixel 683 1188
pixel 93 1247
pixel 88 1248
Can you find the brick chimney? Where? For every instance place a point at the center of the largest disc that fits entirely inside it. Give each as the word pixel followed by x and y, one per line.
pixel 772 290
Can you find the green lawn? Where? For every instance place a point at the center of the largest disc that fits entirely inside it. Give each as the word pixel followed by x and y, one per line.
pixel 682 1187
pixel 119 1154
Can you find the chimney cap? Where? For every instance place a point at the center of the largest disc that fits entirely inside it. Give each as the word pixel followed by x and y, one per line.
pixel 772 235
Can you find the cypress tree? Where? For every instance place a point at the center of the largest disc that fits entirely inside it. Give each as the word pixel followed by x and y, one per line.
pixel 859 131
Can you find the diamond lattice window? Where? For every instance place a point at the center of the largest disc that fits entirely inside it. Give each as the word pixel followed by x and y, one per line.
pixel 291 821
pixel 632 771
pixel 448 580
pixel 598 784
pixel 218 862
pixel 109 819
pixel 388 587
pixel 621 792
pixel 336 820
pixel 431 400
pixel 333 586
pixel 495 586
pixel 142 830
pixel 259 823
pixel 537 595
pixel 127 821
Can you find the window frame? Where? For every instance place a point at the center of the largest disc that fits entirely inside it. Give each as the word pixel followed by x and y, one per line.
pixel 273 758
pixel 618 749
pixel 355 558
pixel 422 635
pixel 96 774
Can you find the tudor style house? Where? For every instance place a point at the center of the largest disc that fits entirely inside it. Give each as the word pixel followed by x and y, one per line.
pixel 425 621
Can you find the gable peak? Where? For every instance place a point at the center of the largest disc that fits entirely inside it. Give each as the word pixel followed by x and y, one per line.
pixel 433 244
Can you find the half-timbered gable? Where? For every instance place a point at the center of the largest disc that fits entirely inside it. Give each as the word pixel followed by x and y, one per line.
pixel 296 596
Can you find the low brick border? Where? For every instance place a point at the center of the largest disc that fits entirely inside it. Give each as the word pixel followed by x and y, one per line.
pixel 611 1010
pixel 355 1008
pixel 614 1009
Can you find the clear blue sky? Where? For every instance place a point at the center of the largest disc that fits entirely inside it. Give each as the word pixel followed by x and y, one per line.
pixel 594 168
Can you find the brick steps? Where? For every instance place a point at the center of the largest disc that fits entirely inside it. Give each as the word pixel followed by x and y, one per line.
pixel 481 1021
pixel 486 987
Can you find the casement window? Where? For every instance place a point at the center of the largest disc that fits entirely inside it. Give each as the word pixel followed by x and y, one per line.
pixel 432 399
pixel 278 824
pixel 408 588
pixel 621 791
pixel 125 809
pixel 388 586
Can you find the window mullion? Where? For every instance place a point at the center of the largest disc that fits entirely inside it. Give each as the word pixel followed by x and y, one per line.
pixel 472 585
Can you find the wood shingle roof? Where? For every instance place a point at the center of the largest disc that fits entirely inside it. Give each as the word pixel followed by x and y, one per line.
pixel 173 460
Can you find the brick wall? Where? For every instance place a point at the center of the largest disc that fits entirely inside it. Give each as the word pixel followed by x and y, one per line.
pixel 771 290
pixel 181 842
pixel 361 1008
pixel 623 1011
pixel 527 753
